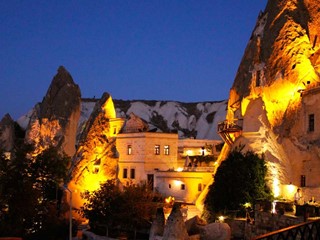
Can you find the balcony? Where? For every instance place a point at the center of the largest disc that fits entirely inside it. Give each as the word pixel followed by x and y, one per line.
pixel 229 131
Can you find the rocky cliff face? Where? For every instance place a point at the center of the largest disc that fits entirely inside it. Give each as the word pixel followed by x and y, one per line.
pixel 96 158
pixel 280 65
pixel 191 120
pixel 7 133
pixel 54 121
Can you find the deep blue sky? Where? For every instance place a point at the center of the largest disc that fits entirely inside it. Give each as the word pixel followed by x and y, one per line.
pixel 179 50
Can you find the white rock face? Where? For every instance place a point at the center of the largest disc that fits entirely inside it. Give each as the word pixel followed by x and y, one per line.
pixel 198 120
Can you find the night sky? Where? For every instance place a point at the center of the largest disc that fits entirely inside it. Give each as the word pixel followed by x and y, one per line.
pixel 179 50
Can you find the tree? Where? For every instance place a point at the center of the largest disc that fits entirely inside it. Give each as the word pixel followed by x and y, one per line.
pixel 49 170
pixel 28 187
pixel 239 179
pixel 18 197
pixel 101 206
pixel 127 209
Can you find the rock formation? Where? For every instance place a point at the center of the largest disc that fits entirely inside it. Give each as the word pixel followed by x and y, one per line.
pixel 157 227
pixel 7 133
pixel 96 158
pixel 54 121
pixel 216 231
pixel 175 227
pixel 190 120
pixel 275 95
pixel 194 225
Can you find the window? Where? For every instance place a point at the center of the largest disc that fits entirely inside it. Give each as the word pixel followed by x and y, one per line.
pixel 129 150
pixel 114 130
pixel 169 185
pixel 132 173
pixel 183 187
pixel 199 187
pixel 95 170
pixel 157 149
pixel 303 181
pixel 166 150
pixel 125 173
pixel 311 123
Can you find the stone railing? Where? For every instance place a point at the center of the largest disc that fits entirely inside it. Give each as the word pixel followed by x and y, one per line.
pixel 198 169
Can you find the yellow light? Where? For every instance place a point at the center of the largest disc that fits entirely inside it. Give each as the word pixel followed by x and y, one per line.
pixel 189 152
pixel 273 168
pixel 169 199
pixel 180 169
pixel 221 218
pixel 177 182
pixel 291 189
pixel 247 205
pixel 273 210
pixel 275 187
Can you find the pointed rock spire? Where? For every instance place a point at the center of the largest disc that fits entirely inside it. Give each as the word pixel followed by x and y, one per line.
pixel 157 226
pixel 175 228
pixel 62 99
pixel 55 120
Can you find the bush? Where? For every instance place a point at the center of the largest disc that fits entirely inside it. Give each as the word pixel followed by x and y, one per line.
pixel 239 179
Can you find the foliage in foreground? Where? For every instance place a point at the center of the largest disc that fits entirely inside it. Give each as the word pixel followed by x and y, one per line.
pixel 30 193
pixel 128 209
pixel 239 179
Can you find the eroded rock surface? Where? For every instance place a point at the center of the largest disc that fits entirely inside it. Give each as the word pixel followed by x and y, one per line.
pixel 7 133
pixel 276 93
pixel 54 121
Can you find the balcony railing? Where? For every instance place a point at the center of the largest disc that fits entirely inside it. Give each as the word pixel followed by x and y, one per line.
pixel 198 169
pixel 308 230
pixel 228 130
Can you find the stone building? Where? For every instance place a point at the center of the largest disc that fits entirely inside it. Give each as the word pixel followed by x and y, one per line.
pixel 175 167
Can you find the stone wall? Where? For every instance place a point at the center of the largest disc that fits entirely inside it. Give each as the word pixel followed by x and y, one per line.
pixel 264 222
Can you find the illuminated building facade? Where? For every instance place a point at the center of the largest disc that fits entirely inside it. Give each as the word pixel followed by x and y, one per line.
pixel 175 167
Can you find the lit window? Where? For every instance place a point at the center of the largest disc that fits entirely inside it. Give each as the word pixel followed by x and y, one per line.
pixel 129 150
pixel 125 173
pixel 311 123
pixel 166 150
pixel 132 173
pixel 183 187
pixel 157 149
